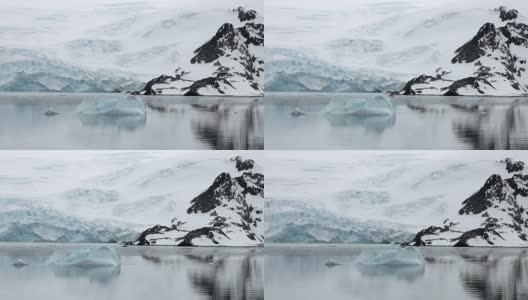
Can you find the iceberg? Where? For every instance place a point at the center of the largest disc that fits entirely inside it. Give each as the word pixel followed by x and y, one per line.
pixel 370 106
pixel 19 263
pixel 98 257
pixel 51 112
pixel 332 263
pixel 130 105
pixel 408 256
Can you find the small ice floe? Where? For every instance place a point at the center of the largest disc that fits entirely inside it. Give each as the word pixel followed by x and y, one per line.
pixel 332 263
pixel 408 256
pixel 98 257
pixel 19 263
pixel 51 112
pixel 297 112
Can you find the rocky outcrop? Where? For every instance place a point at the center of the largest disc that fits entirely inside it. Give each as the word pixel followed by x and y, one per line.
pixel 507 14
pixel 245 15
pixel 499 206
pixel 229 212
pixel 496 58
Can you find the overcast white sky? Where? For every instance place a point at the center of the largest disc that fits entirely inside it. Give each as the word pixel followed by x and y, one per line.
pixel 81 4
pixel 521 5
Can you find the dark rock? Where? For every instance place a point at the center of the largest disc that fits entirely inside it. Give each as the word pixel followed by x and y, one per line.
pixel 222 188
pixel 243 164
pixel 506 14
pixel 205 232
pixel 513 166
pixel 486 38
pixel 245 15
pixel 215 47
pixel 473 82
pixel 492 192
pixel 142 239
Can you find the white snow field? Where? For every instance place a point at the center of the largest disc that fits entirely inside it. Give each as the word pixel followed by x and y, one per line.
pixel 364 46
pixel 104 45
pixel 102 196
pixel 385 196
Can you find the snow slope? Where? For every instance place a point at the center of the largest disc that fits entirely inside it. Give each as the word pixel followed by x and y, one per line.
pixel 371 197
pixel 388 42
pixel 230 63
pixel 100 196
pixel 104 45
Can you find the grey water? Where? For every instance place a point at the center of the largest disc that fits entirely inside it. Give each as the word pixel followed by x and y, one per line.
pixel 419 123
pixel 171 122
pixel 298 271
pixel 145 273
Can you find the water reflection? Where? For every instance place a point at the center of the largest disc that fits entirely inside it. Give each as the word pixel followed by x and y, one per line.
pixel 101 275
pixel 449 273
pixel 375 124
pixel 218 126
pixel 170 123
pixel 491 128
pixel 124 122
pixel 215 279
pixel 499 278
pixel 420 122
pixel 407 273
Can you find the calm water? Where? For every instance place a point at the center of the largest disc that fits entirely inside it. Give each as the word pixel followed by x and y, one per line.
pixel 420 122
pixel 145 273
pixel 171 123
pixel 299 272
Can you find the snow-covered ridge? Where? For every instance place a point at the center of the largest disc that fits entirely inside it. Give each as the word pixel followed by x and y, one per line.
pixel 228 213
pixel 496 215
pixel 493 62
pixel 230 63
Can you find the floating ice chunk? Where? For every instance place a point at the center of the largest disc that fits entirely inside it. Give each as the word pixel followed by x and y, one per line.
pixel 19 263
pixel 297 112
pixel 370 106
pixel 332 263
pixel 130 105
pixel 51 112
pixel 408 256
pixel 102 256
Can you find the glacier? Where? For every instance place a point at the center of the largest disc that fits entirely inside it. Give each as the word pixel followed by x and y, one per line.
pixel 407 256
pixel 97 257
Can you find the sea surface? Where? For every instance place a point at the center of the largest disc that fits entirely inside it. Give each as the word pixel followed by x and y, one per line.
pixel 145 273
pixel 171 122
pixel 419 123
pixel 298 271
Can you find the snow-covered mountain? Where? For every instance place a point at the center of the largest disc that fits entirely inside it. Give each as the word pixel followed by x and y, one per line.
pixel 230 63
pixel 495 215
pixel 493 62
pixel 319 48
pixel 101 196
pixel 379 196
pixel 103 45
pixel 228 213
